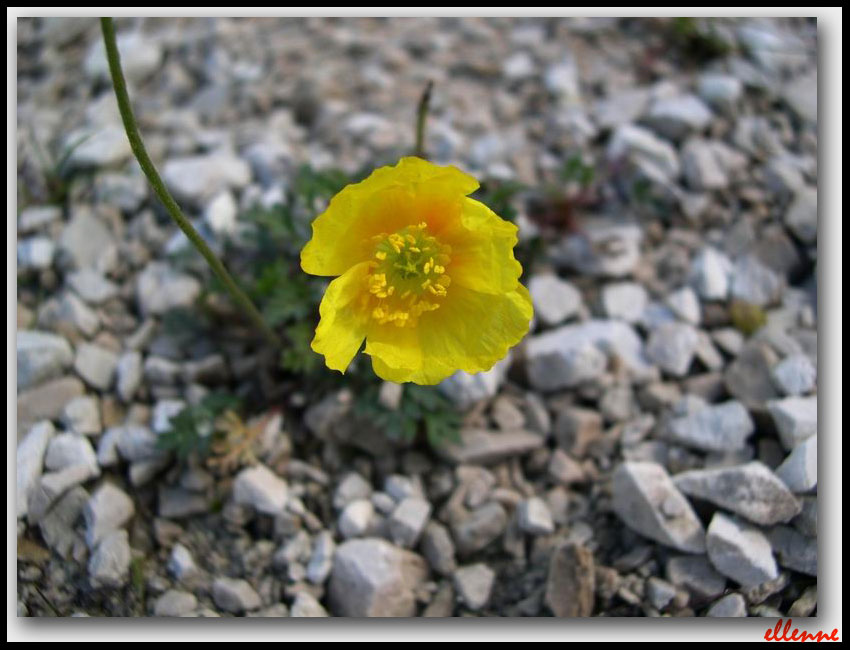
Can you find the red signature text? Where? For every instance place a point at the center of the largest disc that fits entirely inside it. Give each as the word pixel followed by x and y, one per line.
pixel 778 633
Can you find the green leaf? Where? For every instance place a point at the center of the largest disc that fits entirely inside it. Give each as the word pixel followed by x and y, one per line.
pixel 287 299
pixel 421 406
pixel 298 356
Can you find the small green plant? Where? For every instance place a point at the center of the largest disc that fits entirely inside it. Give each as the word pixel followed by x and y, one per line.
pixel 697 41
pixel 193 430
pixel 137 579
pixel 214 432
pixel 422 408
pixel 57 172
pixel 575 170
pixel 288 299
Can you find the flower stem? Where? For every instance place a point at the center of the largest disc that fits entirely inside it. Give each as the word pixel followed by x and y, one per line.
pixel 421 116
pixel 162 192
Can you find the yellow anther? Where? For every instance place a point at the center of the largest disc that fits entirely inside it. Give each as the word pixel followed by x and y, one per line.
pixel 439 269
pixel 381 255
pixel 427 268
pixel 396 241
pixel 377 281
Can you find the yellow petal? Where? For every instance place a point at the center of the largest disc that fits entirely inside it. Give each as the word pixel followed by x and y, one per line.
pixel 343 323
pixel 396 351
pixel 471 331
pixel 482 250
pixel 389 199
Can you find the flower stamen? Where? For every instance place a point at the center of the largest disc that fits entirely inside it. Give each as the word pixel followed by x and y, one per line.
pixel 400 280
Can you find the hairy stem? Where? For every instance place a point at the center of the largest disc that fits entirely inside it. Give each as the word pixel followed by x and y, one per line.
pixel 162 192
pixel 421 116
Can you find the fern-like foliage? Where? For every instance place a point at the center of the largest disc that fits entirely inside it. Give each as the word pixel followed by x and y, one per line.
pixel 576 170
pixel 422 408
pixel 193 429
pixel 287 297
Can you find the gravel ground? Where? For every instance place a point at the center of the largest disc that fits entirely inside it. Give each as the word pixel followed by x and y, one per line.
pixel 649 449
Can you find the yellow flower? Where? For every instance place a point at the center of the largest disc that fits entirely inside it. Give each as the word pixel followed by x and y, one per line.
pixel 427 276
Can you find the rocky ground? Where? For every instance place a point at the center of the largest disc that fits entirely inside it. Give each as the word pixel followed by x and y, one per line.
pixel 648 450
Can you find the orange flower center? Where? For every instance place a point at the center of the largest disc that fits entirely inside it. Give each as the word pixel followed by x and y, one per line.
pixel 408 276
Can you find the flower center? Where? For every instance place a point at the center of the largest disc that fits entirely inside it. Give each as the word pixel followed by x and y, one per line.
pixel 408 276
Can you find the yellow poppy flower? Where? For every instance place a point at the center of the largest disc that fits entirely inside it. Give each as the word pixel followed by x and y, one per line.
pixel 427 275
